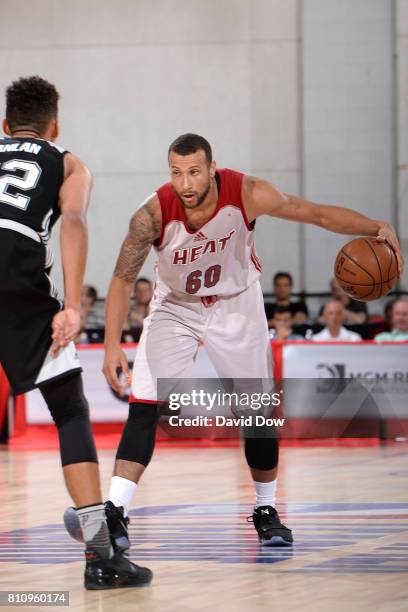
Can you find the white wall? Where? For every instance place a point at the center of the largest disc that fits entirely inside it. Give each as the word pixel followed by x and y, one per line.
pixel 348 117
pixel 402 124
pixel 134 74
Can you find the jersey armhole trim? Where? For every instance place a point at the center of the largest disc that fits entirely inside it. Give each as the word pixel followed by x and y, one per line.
pixel 159 240
pixel 250 225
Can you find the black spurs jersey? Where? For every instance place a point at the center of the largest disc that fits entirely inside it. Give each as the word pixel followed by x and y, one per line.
pixel 31 174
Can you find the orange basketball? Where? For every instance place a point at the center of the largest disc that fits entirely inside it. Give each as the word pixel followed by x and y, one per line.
pixel 366 269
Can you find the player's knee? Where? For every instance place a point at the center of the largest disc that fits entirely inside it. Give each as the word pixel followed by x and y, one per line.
pixel 69 408
pixel 138 436
pixel 262 453
pixel 66 400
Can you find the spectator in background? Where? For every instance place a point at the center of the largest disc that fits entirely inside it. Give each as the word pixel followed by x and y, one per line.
pixel 399 323
pixel 282 286
pixel 282 323
pixel 355 311
pixel 142 294
pixel 90 317
pixel 334 315
pixel 386 324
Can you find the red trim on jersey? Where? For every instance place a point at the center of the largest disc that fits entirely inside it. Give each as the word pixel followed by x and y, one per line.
pixel 255 259
pixel 230 188
pixel 209 300
pixel 135 400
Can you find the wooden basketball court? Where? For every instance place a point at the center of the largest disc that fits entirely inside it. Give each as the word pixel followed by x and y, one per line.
pixel 347 506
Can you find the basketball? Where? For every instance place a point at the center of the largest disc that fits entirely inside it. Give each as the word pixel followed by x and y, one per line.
pixel 366 269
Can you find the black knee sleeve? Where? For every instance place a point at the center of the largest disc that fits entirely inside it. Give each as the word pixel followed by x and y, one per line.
pixel 138 436
pixel 262 453
pixel 69 408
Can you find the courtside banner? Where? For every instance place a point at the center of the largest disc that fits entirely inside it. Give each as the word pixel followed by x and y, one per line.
pixel 105 406
pixel 336 385
pixel 362 360
pixel 320 390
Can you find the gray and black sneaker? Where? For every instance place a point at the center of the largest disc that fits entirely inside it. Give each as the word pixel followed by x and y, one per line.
pixel 270 530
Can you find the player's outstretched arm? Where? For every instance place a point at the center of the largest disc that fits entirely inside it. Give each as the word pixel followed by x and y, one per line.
pixel 73 202
pixel 144 229
pixel 262 198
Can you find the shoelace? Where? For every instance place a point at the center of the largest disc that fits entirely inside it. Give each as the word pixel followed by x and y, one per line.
pixel 272 519
pixel 116 514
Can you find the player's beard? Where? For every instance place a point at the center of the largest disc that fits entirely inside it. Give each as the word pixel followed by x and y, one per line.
pixel 200 198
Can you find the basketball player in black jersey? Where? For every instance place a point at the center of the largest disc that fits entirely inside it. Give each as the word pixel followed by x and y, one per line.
pixel 40 182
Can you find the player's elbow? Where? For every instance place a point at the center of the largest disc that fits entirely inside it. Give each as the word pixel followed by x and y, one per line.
pixel 321 218
pixel 301 210
pixel 121 285
pixel 74 219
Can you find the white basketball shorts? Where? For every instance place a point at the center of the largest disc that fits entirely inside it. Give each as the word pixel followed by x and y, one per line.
pixel 233 329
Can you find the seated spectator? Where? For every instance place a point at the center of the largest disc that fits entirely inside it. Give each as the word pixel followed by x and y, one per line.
pixel 282 323
pixel 142 294
pixel 355 311
pixel 386 324
pixel 282 286
pixel 90 317
pixel 399 323
pixel 334 315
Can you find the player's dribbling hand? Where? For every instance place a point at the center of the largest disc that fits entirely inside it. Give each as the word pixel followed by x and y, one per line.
pixel 65 328
pixel 115 358
pixel 387 233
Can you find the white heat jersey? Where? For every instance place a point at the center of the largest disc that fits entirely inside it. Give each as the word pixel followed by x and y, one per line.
pixel 219 259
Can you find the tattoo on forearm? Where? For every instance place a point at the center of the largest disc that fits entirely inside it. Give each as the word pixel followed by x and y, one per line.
pixel 144 228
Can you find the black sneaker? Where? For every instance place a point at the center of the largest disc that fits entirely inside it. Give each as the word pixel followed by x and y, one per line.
pixel 270 530
pixel 115 573
pixel 118 526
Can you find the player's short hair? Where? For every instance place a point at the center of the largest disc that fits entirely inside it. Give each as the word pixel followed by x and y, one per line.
pixel 186 144
pixel 31 102
pixel 283 275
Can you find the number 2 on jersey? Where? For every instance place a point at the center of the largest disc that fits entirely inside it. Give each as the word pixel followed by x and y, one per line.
pixel 31 173
pixel 211 278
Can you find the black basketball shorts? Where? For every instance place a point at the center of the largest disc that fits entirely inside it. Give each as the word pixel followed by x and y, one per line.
pixel 28 304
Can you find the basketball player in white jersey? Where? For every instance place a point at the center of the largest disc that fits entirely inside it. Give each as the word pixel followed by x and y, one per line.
pixel 201 225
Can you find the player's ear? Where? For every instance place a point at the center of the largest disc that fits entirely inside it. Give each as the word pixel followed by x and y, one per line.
pixel 213 167
pixel 55 129
pixel 6 127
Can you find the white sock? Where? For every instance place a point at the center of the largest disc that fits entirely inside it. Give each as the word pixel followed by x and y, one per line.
pixel 265 493
pixel 121 492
